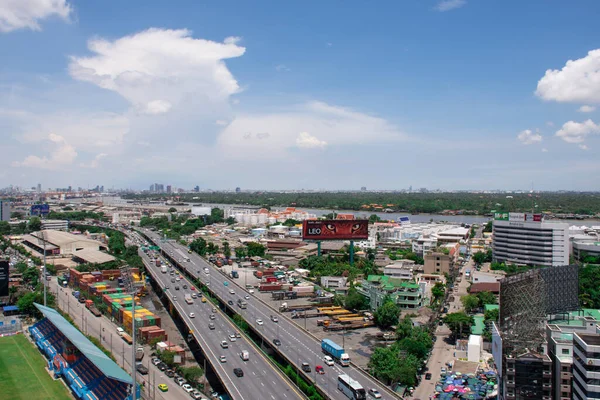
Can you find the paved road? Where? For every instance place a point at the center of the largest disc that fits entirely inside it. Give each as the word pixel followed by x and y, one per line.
pixel 93 326
pixel 443 352
pixel 261 379
pixel 297 345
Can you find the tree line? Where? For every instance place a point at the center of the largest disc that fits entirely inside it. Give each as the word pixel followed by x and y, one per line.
pixel 471 203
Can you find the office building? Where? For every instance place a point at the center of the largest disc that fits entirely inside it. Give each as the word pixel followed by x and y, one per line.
pixel 525 239
pixel 380 287
pixel 55 224
pixel 168 188
pixel 238 190
pixel 586 366
pixel 437 263
pixel 4 210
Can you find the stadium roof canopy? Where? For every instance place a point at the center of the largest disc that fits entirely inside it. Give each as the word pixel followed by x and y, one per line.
pixel 107 366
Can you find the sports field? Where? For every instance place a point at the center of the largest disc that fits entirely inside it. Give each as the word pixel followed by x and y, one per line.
pixel 22 373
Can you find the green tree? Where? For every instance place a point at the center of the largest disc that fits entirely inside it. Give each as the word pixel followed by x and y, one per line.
pixel 589 286
pixel 35 224
pixel 492 315
pixel 212 248
pixel 486 298
pixel 292 222
pixel 459 323
pixel 4 228
pixel 192 374
pixel 355 300
pixel 387 314
pixel 240 322
pixel 438 291
pixel 489 226
pixel 384 365
pixel 256 249
pixel 230 221
pixel 172 210
pixel 168 357
pixel 226 249
pixel 404 328
pixel 374 218
pixel 470 302
pixel 199 246
pixel 26 306
pixel 16 215
pixel 240 253
pixel 479 257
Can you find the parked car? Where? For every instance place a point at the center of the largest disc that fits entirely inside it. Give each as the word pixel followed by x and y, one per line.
pixel 169 373
pixel 196 395
pixel 141 369
pixel 162 366
pixel 428 376
pixel 155 360
pixel 187 387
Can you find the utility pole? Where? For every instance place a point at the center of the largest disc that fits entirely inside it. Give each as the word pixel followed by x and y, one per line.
pixel 129 287
pixel 44 270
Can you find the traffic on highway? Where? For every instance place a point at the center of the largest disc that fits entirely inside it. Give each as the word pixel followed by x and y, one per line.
pixel 300 348
pixel 243 369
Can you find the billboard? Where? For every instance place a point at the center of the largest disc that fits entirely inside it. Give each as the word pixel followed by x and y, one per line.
pixel 533 217
pixel 501 216
pixel 335 229
pixel 515 216
pixel 4 278
pixel 40 209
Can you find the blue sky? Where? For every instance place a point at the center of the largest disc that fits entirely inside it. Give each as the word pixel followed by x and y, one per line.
pixel 287 95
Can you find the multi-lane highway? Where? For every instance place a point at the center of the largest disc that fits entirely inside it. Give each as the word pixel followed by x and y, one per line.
pixel 296 344
pixel 261 379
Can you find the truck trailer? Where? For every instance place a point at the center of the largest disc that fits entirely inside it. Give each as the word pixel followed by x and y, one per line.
pixel 337 352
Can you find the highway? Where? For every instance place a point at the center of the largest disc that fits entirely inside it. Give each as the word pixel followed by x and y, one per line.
pixel 296 344
pixel 261 380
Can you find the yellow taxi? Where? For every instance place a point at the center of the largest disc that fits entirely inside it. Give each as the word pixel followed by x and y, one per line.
pixel 204 299
pixel 163 387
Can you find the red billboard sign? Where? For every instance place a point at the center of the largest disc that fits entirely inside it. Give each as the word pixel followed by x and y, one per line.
pixel 335 229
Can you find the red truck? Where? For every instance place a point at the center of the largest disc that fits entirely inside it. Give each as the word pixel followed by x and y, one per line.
pixel 89 304
pixel 270 279
pixel 258 274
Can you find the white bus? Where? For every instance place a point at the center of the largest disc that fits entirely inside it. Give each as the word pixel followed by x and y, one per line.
pixel 351 388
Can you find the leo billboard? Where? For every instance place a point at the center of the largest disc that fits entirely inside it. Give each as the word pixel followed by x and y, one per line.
pixel 4 271
pixel 335 230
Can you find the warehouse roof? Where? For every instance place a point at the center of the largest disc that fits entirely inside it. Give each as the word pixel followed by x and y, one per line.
pixel 60 238
pixel 93 256
pixel 107 366
pixel 38 242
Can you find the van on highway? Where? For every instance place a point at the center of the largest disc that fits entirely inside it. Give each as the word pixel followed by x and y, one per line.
pixel 120 331
pixel 245 355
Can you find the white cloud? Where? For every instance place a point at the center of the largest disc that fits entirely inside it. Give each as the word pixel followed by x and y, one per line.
pixel 306 141
pixel 95 162
pixel 544 150
pixel 232 40
pixel 26 14
pixel 447 5
pixel 282 68
pixel 221 122
pixel 329 44
pixel 246 135
pixel 583 147
pixel 586 109
pixel 577 81
pixel 61 156
pixel 550 123
pixel 158 70
pixel 529 137
pixel 576 132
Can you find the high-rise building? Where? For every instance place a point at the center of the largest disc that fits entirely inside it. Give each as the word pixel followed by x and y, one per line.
pixel 196 188
pixel 238 189
pixel 168 188
pixel 39 188
pixel 4 210
pixel 152 188
pixel 525 239
pixel 363 189
pixel 586 366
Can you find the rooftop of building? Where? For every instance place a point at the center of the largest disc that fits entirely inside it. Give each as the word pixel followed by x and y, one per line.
pixel 60 238
pixel 478 325
pixel 389 283
pixel 589 339
pixel 490 307
pixel 93 256
pixel 493 287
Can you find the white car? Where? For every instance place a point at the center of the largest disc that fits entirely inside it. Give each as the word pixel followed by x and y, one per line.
pixel 374 393
pixel 223 359
pixel 120 331
pixel 192 315
pixel 187 387
pixel 231 291
pixel 328 360
pixel 247 297
pixel 259 321
pixel 196 395
pixel 232 338
pixel 224 344
pixel 251 291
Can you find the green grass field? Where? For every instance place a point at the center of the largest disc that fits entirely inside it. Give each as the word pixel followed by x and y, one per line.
pixel 22 373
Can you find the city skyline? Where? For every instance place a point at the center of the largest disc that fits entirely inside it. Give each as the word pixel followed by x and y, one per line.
pixel 439 94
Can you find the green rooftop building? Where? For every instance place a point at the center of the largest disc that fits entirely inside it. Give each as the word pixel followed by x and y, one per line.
pixel 405 294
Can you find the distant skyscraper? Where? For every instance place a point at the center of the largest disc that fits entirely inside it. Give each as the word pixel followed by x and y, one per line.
pixel 410 188
pixel 237 189
pixel 152 188
pixel 39 188
pixel 196 188
pixel 101 189
pixel 363 189
pixel 69 189
pixel 168 188
pixel 4 210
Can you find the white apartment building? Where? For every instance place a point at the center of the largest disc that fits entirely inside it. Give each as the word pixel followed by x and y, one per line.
pixel 403 269
pixel 586 366
pixel 56 224
pixel 334 282
pixel 525 239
